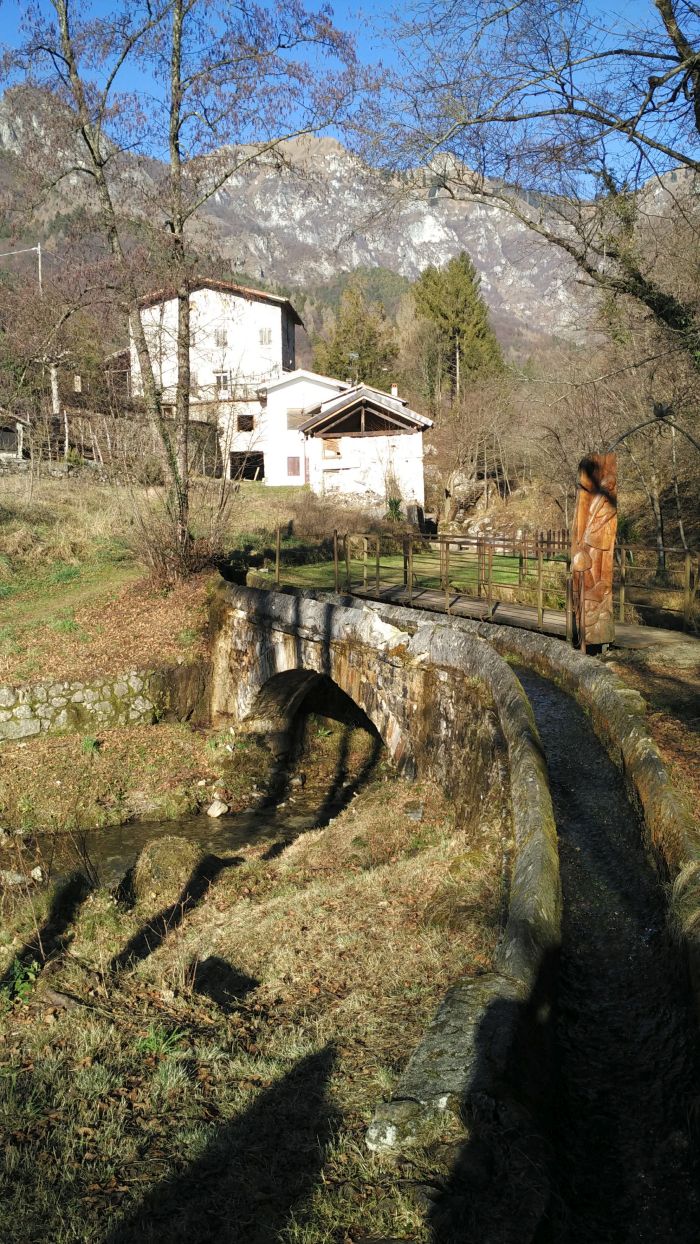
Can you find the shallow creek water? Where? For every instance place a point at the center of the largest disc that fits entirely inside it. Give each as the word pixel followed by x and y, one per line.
pixel 626 1090
pixel 112 851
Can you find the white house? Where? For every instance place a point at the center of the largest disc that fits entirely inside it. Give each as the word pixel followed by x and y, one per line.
pixel 278 424
pixel 366 443
pixel 261 439
pixel 338 438
pixel 240 339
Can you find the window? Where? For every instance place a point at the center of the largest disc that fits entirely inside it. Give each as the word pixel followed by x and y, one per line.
pixel 293 467
pixel 246 466
pixel 295 418
pixel 331 448
pixel 246 423
pixel 222 380
pixel 265 336
pixel 220 338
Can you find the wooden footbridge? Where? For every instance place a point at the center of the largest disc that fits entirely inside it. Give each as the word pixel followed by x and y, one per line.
pixel 522 580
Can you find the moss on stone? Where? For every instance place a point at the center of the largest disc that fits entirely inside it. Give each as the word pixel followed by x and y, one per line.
pixel 163 869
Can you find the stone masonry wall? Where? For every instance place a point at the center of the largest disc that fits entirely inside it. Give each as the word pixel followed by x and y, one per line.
pixel 137 697
pixel 133 698
pixel 446 704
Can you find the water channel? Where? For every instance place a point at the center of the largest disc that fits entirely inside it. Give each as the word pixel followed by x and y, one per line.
pixel 626 1092
pixel 109 853
pixel 625 1039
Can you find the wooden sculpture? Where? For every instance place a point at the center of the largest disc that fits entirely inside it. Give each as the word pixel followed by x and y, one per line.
pixel 593 550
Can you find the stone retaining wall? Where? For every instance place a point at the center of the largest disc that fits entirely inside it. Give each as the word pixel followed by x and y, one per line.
pixel 137 697
pixel 469 1049
pixel 470 1046
pixel 617 714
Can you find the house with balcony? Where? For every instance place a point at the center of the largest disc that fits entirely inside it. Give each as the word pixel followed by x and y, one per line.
pixel 277 423
pixel 339 438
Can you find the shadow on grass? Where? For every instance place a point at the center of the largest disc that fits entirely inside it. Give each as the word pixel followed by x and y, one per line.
pixel 66 901
pixel 343 788
pixel 216 979
pixel 499 1188
pixel 153 934
pixel 254 1173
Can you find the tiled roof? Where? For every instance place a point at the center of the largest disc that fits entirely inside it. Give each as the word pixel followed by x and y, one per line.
pixel 222 287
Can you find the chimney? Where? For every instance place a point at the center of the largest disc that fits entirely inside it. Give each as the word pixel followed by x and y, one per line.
pixel 394 390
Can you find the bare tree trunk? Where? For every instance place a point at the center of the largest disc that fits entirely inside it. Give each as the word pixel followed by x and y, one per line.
pixel 681 528
pixel 92 139
pixel 659 521
pixel 182 395
pixel 651 489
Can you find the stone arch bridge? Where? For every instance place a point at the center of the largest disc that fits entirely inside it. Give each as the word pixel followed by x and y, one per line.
pixel 428 702
pixel 448 706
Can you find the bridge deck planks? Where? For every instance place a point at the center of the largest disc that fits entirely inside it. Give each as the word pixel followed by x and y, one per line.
pixel 627 635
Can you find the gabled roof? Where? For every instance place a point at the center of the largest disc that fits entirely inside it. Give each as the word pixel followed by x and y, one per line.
pixel 223 287
pixel 302 374
pixel 395 409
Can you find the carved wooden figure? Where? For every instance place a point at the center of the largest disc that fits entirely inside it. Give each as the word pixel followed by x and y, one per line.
pixel 593 549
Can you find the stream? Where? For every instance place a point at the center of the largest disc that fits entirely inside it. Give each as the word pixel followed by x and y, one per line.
pixel 625 1037
pixel 111 851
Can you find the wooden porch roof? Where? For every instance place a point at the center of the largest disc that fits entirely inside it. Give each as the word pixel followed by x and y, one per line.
pixel 376 411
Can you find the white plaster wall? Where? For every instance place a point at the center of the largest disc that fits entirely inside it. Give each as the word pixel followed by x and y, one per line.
pixel 298 393
pixel 365 463
pixel 271 436
pixel 250 362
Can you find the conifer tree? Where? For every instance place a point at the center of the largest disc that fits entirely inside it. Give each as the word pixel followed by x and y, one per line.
pixel 362 346
pixel 449 298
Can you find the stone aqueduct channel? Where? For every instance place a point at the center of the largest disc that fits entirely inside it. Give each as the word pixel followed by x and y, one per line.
pixel 573 1064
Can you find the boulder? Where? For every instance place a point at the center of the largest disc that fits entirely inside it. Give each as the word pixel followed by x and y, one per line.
pixel 10 879
pixel 217 808
pixel 163 869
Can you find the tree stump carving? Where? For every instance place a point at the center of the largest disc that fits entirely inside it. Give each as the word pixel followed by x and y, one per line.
pixel 593 550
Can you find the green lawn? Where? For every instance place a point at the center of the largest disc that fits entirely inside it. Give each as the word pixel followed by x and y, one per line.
pixel 463 572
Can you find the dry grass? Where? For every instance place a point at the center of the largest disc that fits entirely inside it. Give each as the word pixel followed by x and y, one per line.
pixel 131 627
pixel 74 600
pixel 136 772
pixel 672 692
pixel 155 1107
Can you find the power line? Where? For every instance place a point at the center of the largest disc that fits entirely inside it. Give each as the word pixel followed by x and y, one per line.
pixel 27 250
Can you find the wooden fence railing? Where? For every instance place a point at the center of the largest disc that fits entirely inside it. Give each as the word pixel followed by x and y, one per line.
pixel 532 570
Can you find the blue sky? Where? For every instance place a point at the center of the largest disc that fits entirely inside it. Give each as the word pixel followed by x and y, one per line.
pixel 356 19
pixel 369 24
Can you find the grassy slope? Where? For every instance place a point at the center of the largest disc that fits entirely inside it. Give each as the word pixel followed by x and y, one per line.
pixel 149 1108
pixel 69 783
pixel 73 600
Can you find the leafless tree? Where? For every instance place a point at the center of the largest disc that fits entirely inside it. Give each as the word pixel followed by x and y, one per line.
pixel 584 127
pixel 229 85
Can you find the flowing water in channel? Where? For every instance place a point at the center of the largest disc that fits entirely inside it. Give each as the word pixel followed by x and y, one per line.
pixel 626 1097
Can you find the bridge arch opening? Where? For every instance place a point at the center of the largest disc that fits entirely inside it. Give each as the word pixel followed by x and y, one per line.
pixel 291 695
pixel 309 722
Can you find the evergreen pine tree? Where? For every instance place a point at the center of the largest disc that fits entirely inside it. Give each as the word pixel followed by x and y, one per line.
pixel 449 297
pixel 362 346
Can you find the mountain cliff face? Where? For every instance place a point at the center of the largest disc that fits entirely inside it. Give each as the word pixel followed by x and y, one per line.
pixel 317 211
pixel 327 213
